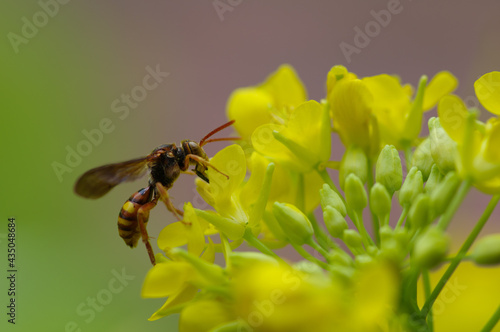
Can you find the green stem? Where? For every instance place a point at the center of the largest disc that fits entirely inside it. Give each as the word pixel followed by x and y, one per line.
pixel 301 199
pixel 358 222
pixel 461 254
pixel 492 321
pixel 408 156
pixel 322 237
pixel 375 220
pixel 402 217
pixel 227 250
pixel 318 248
pixel 455 204
pixel 253 241
pixel 310 257
pixel 427 290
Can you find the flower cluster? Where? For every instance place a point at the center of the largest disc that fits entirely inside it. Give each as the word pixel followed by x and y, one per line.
pixel 362 263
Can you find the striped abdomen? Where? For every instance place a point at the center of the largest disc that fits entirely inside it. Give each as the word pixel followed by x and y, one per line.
pixel 128 226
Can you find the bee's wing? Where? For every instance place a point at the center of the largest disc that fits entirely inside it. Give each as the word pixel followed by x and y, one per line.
pixel 98 181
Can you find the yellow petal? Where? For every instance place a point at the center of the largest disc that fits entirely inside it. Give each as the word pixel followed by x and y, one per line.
pixel 230 161
pixel 492 147
pixel 452 116
pixel 165 279
pixel 487 89
pixel 350 104
pixel 250 107
pixel 204 315
pixel 336 74
pixel 391 105
pixel 186 293
pixel 172 236
pixel 285 87
pixel 441 84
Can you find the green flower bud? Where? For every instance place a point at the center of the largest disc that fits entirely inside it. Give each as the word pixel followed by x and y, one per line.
pixel 340 257
pixel 380 200
pixel 419 215
pixel 433 180
pixel 392 250
pixel 354 162
pixel 443 148
pixel 353 239
pixel 293 222
pixel 355 193
pixel 363 260
pixel 330 198
pixel 386 233
pixel 431 248
pixel 334 221
pixel 422 158
pixel 240 259
pixel 412 186
pixel 232 228
pixel 444 192
pixel 487 250
pixel 389 171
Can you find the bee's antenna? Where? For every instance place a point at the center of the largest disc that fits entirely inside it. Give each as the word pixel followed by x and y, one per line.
pixel 216 130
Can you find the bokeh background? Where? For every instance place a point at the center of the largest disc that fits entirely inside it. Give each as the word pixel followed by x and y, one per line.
pixel 62 76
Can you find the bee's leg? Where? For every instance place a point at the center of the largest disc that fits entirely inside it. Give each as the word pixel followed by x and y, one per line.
pixel 199 160
pixel 142 217
pixel 162 191
pixel 189 172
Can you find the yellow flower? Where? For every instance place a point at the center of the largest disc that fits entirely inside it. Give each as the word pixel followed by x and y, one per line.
pixel 191 231
pixel 399 117
pixel 271 297
pixel 177 280
pixel 301 143
pixel 237 206
pixel 478 155
pixel 268 102
pixel 468 300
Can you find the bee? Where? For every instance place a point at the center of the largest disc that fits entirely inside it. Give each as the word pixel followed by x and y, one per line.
pixel 165 164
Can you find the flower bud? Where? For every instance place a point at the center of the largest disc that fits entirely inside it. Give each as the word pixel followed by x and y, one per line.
pixel 419 216
pixel 389 171
pixel 293 222
pixel 241 259
pixel 422 158
pixel 353 239
pixel 433 180
pixel 340 257
pixel 443 148
pixel 380 200
pixel 487 250
pixel 330 198
pixel 442 195
pixel 355 193
pixel 354 161
pixel 412 186
pixel 386 233
pixel 431 248
pixel 334 221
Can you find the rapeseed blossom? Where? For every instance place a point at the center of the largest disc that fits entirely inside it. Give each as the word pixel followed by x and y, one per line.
pixel 363 267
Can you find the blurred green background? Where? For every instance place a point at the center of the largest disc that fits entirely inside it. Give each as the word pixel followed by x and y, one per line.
pixel 61 77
